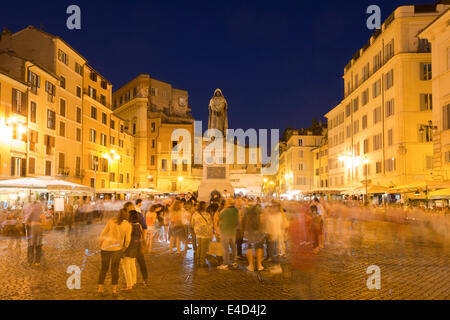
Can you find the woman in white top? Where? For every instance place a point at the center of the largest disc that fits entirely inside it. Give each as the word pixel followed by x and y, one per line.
pixel 113 240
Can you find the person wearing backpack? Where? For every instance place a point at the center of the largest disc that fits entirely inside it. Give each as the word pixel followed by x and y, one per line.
pixel 252 227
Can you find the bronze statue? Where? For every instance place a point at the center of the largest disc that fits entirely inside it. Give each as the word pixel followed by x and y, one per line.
pixel 218 118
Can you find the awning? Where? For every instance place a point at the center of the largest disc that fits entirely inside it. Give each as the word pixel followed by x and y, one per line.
pixel 43 183
pixel 440 194
pixel 373 189
pixel 422 185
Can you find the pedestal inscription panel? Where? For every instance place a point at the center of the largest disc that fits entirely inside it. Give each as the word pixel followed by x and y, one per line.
pixel 216 173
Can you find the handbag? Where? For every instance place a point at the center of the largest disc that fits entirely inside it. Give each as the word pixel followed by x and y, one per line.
pixel 215 249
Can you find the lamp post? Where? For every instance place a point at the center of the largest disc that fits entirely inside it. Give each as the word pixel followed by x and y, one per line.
pixel 366 169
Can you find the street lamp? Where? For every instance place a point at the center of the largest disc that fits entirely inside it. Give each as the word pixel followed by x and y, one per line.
pixel 366 169
pixel 181 180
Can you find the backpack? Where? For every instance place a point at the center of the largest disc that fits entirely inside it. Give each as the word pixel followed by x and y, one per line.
pixel 252 219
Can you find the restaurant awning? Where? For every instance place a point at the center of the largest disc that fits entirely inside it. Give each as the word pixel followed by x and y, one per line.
pixel 372 189
pixel 44 184
pixel 440 194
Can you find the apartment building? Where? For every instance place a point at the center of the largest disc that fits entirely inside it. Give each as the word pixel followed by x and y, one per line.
pixel 154 109
pixel 380 130
pixel 438 33
pixel 296 165
pixel 55 108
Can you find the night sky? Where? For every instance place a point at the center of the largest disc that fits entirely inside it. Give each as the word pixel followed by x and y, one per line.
pixel 278 63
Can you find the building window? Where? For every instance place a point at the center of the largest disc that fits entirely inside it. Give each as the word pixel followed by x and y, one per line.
pixel 174 165
pixel 426 102
pixel 446 117
pixel 134 128
pixel 366 146
pixel 93 162
pixel 112 140
pixel 51 91
pixel 78 92
pixel 365 97
pixel 347 110
pixel 389 80
pixel 300 154
pixel 78 134
pixel 376 115
pixel 19 102
pixel 121 178
pixel 301 167
pixel 62 129
pixel 389 108
pixel 112 124
pixel 154 92
pixel 425 71
pixel 48 168
pixel 104 118
pixel 376 90
pixel 62 82
pixel 78 114
pixel 62 56
pixel 152 160
pixel 378 167
pixel 128 178
pixel 35 81
pixel 185 166
pixel 78 166
pixel 103 100
pixel 377 142
pixel 33 110
pixel 93 136
pixel 92 93
pixel 356 127
pixel 61 163
pixel 390 165
pixel 365 72
pixel 376 62
pixel 93 76
pixel 51 119
pixel 93 112
pixel 104 165
pixel 364 122
pixel 153 144
pixel 103 139
pixel 389 50
pixel 92 183
pixel 164 165
pixel 104 84
pixel 78 68
pixel 62 107
pixel 31 165
pixel 121 128
pixel 355 105
pixel 390 137
pixel 153 126
pixel 300 142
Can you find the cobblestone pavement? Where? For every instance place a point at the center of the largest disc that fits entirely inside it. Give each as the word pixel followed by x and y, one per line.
pixel 413 262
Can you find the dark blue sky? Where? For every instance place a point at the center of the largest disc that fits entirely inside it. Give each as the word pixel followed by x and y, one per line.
pixel 278 63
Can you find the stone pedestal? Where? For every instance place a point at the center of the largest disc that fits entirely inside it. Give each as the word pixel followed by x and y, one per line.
pixel 215 177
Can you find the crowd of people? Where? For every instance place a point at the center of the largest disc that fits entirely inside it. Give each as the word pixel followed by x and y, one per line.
pixel 222 228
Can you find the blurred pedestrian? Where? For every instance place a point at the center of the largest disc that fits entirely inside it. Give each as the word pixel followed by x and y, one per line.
pixel 34 220
pixel 114 239
pixel 203 226
pixel 252 228
pixel 228 223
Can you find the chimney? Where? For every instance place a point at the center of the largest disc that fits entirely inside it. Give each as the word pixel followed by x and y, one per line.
pixel 5 39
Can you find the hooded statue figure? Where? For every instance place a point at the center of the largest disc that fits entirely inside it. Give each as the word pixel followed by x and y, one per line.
pixel 218 118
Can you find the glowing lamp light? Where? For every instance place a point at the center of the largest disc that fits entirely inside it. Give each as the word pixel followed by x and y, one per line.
pixel 106 156
pixel 180 178
pixel 366 161
pixel 265 180
pixel 116 157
